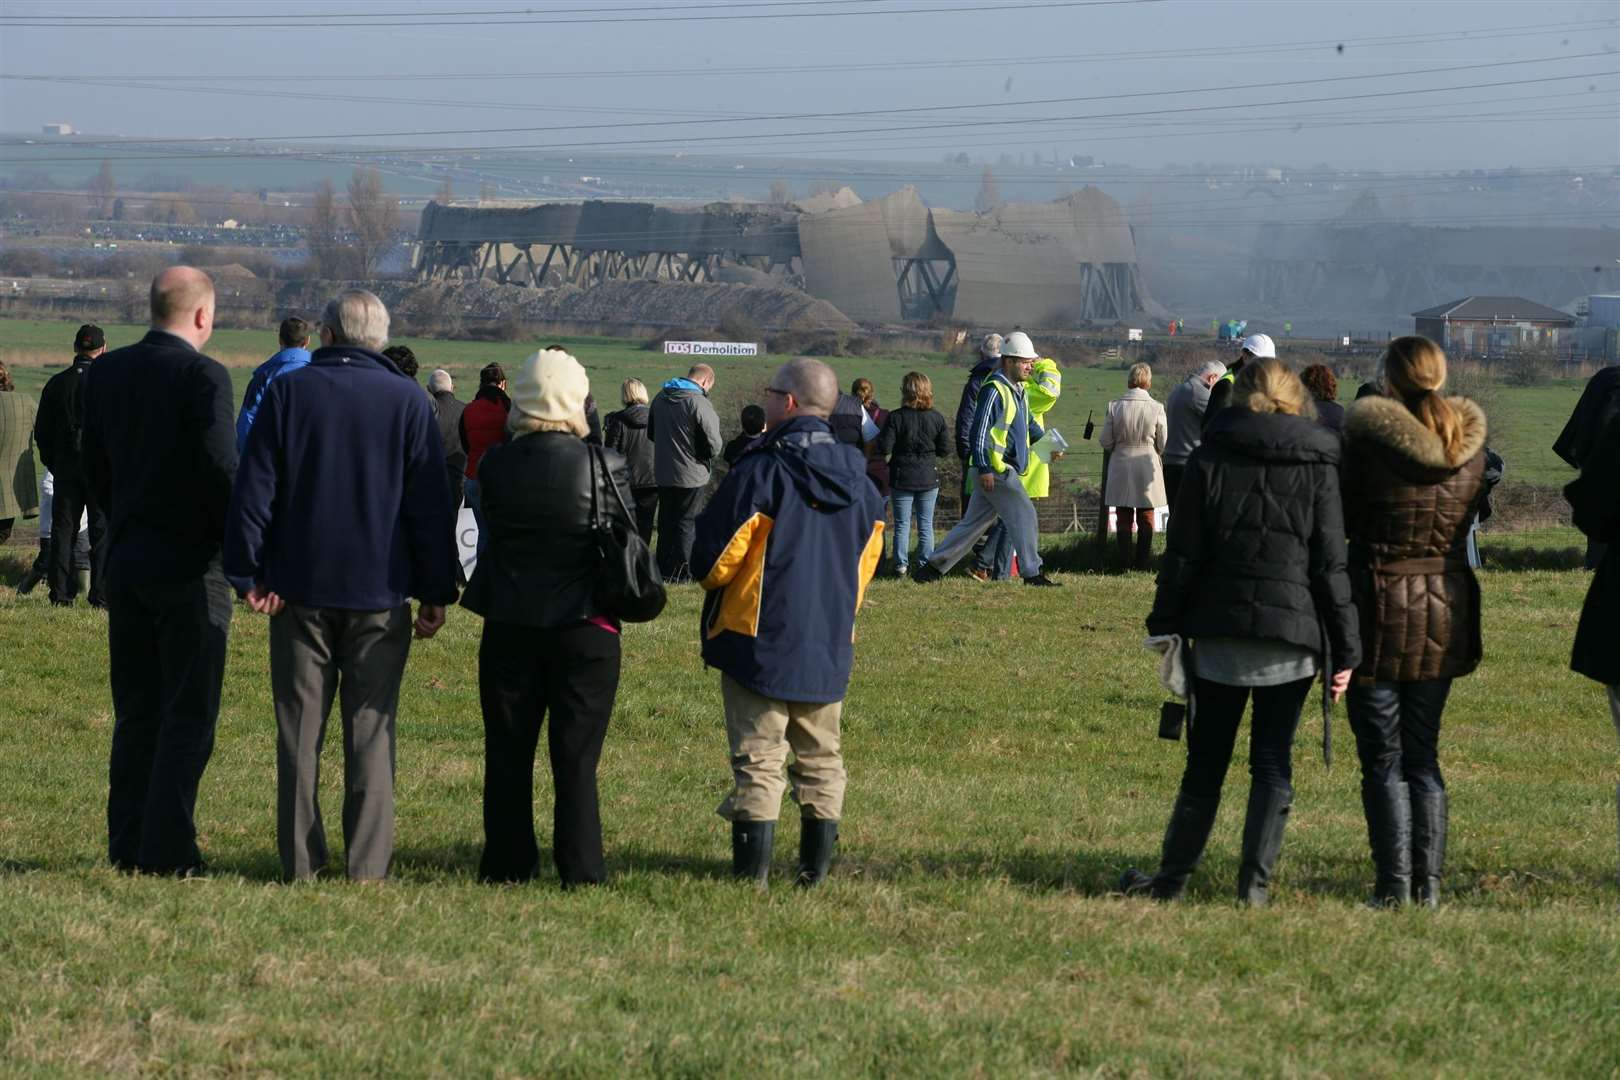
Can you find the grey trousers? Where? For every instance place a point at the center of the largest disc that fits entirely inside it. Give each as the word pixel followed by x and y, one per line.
pixel 1009 502
pixel 358 657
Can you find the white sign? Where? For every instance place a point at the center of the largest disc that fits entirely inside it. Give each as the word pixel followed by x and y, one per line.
pixel 1133 335
pixel 467 541
pixel 1345 340
pixel 711 348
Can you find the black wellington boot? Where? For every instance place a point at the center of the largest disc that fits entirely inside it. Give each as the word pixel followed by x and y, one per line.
pixel 37 572
pixel 817 838
pixel 1263 828
pixel 1389 832
pixel 1429 813
pixel 1184 840
pixel 751 846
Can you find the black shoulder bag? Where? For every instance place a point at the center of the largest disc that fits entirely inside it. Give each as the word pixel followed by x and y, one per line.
pixel 629 586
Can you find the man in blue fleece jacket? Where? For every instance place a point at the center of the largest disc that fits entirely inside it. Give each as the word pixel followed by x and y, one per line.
pixel 294 354
pixel 341 514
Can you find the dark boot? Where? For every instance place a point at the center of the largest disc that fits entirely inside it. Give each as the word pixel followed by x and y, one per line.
pixel 37 572
pixel 1122 537
pixel 1144 542
pixel 1262 841
pixel 1389 831
pixel 751 846
pixel 1184 840
pixel 817 838
pixel 1428 845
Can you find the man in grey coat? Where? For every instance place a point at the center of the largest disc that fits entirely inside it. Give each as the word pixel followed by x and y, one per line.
pixel 1185 413
pixel 447 409
pixel 685 434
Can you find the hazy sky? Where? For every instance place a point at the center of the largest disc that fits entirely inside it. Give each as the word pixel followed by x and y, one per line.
pixel 990 74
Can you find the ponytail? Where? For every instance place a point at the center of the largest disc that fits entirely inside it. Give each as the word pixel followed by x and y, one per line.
pixel 1415 370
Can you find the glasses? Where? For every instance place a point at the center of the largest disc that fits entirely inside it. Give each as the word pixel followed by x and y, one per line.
pixel 774 390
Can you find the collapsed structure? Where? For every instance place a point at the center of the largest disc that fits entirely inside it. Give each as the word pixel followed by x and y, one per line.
pixel 1063 263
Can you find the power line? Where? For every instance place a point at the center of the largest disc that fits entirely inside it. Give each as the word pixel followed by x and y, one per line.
pixel 532 10
pixel 914 110
pixel 1248 48
pixel 291 23
pixel 360 152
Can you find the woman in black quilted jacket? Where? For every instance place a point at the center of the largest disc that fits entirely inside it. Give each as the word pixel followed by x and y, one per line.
pixel 1254 576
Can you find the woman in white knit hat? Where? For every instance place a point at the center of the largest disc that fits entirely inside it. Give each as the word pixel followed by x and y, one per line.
pixel 547 648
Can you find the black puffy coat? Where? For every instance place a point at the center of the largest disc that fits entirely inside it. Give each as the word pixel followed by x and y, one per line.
pixel 626 432
pixel 1256 546
pixel 912 439
pixel 1596 501
pixel 542 564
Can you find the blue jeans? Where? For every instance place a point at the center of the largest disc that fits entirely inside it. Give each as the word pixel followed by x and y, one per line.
pixel 997 554
pixel 903 502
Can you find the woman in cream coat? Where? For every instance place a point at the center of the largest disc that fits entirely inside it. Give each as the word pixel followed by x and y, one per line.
pixel 1134 432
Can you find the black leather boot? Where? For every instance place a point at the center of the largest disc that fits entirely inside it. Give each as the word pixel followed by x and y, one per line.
pixel 1184 840
pixel 1389 832
pixel 37 572
pixel 1262 841
pixel 751 846
pixel 817 838
pixel 1428 845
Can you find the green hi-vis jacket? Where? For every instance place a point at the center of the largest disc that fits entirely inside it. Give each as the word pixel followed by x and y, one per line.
pixel 1042 390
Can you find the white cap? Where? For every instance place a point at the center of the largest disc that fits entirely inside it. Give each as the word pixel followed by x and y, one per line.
pixel 1260 346
pixel 551 386
pixel 991 346
pixel 1018 345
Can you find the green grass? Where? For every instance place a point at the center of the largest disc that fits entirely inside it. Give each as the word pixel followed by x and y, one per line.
pixel 1003 771
pixel 1526 420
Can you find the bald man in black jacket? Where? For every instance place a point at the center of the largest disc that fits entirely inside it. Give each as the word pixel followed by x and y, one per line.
pixel 160 453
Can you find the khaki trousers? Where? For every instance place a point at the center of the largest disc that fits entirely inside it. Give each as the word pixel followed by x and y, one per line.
pixel 761 730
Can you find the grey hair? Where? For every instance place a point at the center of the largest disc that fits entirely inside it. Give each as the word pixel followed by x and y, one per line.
pixel 520 423
pixel 440 381
pixel 357 317
pixel 812 383
pixel 1210 367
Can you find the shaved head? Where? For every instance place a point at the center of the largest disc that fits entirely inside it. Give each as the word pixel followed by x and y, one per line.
pixel 811 382
pixel 702 374
pixel 178 293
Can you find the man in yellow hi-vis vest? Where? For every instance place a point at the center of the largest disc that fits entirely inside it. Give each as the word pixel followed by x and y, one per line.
pixel 999 457
pixel 1041 391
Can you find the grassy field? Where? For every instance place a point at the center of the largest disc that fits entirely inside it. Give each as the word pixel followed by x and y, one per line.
pixel 1003 769
pixel 1525 420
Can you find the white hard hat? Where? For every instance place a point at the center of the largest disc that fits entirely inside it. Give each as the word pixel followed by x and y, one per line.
pixel 1260 346
pixel 1018 345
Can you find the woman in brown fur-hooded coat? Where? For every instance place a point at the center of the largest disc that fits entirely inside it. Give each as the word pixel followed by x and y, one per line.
pixel 1414 475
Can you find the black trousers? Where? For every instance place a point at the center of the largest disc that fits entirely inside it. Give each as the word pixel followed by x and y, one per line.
pixel 1397 730
pixel 1217 712
pixel 70 500
pixel 166 652
pixel 457 476
pixel 677 526
pixel 524 674
pixel 646 510
pixel 1172 481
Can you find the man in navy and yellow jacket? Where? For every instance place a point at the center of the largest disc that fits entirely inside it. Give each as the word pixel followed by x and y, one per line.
pixel 786 548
